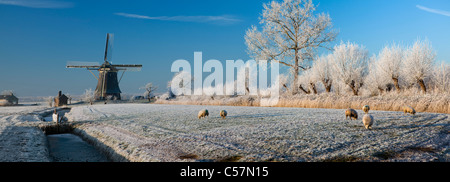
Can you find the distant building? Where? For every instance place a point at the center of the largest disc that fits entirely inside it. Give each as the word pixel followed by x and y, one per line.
pixel 61 99
pixel 8 100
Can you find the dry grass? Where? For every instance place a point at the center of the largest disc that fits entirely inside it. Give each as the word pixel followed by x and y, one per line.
pixel 422 103
pixel 434 103
pixel 208 100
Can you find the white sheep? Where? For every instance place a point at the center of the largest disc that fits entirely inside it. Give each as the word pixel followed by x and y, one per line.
pixel 351 113
pixel 368 121
pixel 366 109
pixel 408 109
pixel 223 114
pixel 203 113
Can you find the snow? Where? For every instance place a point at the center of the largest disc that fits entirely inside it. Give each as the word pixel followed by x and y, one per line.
pixel 18 110
pixel 146 132
pixel 157 132
pixel 20 142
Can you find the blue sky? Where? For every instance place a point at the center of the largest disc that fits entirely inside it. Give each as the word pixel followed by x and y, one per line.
pixel 38 37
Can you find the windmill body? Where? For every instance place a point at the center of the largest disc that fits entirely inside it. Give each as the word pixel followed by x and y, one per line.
pixel 107 85
pixel 107 80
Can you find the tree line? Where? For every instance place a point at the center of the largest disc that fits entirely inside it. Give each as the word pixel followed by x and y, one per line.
pixel 291 34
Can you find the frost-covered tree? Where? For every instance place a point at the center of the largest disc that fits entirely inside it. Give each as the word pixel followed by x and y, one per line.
pixel 321 71
pixel 149 90
pixel 418 63
pixel 7 92
pixel 441 77
pixel 50 101
pixel 307 82
pixel 181 84
pixel 349 63
pixel 88 96
pixel 389 63
pixel 291 33
pixel 282 81
pixel 376 80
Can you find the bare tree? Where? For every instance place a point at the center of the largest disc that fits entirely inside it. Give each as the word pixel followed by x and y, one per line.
pixel 349 62
pixel 290 35
pixel 149 89
pixel 418 63
pixel 390 61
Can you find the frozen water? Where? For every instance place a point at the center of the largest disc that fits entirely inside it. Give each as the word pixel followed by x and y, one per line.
pixel 71 148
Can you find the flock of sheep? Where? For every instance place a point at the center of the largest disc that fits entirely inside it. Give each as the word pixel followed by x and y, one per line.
pixel 367 118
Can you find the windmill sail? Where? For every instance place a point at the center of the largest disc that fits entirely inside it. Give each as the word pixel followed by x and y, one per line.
pixel 109 47
pixel 128 67
pixel 80 64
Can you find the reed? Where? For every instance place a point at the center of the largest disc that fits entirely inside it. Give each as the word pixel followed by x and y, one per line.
pixel 434 103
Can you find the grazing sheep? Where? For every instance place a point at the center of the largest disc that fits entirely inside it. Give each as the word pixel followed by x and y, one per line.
pixel 351 113
pixel 368 121
pixel 409 109
pixel 203 113
pixel 366 109
pixel 223 114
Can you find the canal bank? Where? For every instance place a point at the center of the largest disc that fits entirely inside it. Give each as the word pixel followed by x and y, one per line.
pixel 64 145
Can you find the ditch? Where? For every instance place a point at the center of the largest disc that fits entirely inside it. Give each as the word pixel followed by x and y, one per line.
pixel 64 146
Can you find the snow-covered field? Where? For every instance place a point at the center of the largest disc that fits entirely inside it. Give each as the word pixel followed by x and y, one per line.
pixel 146 132
pixel 20 141
pixel 156 132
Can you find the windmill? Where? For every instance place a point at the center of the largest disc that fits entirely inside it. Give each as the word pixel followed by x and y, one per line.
pixel 107 82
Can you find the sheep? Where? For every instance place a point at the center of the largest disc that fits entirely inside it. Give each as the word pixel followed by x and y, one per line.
pixel 366 109
pixel 351 113
pixel 223 114
pixel 409 109
pixel 368 121
pixel 203 113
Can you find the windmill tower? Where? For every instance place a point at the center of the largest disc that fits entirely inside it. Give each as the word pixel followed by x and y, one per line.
pixel 107 82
